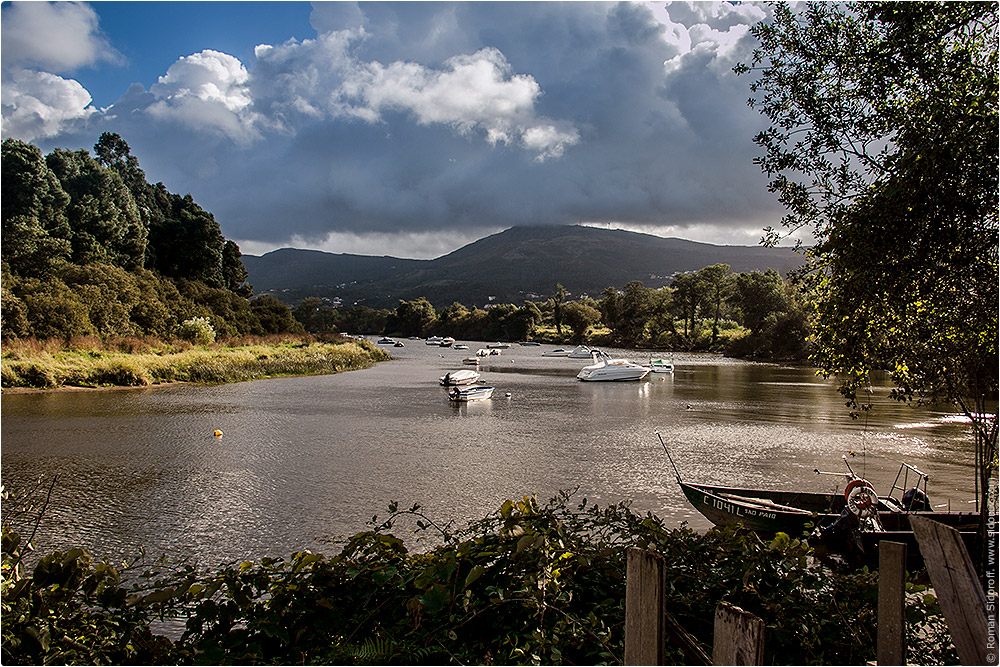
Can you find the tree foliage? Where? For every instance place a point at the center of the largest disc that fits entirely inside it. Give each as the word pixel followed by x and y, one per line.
pixel 91 248
pixel 883 140
pixel 531 583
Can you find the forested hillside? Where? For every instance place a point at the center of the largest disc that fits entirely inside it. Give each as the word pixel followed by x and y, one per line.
pixel 91 248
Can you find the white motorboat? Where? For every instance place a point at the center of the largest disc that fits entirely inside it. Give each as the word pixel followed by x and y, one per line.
pixel 434 340
pixel 661 365
pixel 498 346
pixel 455 378
pixel 468 394
pixel 461 346
pixel 447 342
pixel 581 352
pixel 611 370
pixel 558 352
pixel 386 341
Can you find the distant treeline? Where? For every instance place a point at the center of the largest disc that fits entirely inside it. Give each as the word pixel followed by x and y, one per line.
pixel 750 314
pixel 91 248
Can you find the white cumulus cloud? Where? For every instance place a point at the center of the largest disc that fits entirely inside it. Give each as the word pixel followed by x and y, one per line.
pixel 56 36
pixel 38 39
pixel 40 104
pixel 206 90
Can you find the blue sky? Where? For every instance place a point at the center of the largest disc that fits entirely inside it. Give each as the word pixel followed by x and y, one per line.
pixel 406 129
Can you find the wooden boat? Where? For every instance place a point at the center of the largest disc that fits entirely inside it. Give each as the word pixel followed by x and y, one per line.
pixel 848 524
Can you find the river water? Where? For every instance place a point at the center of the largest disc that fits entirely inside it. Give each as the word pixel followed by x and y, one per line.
pixel 306 459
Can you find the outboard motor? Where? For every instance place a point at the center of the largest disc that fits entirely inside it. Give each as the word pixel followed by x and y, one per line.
pixel 916 500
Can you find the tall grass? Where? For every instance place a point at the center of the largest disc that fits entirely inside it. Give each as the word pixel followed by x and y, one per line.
pixel 137 362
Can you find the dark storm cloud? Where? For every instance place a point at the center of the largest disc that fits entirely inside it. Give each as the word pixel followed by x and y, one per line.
pixel 422 118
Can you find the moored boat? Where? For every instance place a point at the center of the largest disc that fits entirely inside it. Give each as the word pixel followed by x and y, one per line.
pixel 469 394
pixel 558 352
pixel 661 365
pixel 611 370
pixel 849 524
pixel 459 377
pixel 581 352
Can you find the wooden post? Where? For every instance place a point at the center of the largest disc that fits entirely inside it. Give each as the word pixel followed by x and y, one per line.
pixel 739 637
pixel 891 593
pixel 957 587
pixel 644 608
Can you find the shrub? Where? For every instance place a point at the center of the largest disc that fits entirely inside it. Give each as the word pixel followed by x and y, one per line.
pixel 197 330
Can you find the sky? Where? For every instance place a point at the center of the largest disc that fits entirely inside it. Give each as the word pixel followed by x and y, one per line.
pixel 407 128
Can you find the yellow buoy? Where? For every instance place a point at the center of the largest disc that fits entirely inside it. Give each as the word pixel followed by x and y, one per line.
pixel 218 434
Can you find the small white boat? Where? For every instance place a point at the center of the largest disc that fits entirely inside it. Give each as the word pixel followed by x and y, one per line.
pixel 455 378
pixel 468 394
pixel 661 365
pixel 482 352
pixel 581 352
pixel 471 361
pixel 447 342
pixel 558 352
pixel 498 346
pixel 434 340
pixel 530 343
pixel 386 341
pixel 611 370
pixel 461 346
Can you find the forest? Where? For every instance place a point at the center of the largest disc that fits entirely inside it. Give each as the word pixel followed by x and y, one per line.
pixel 90 248
pixel 754 314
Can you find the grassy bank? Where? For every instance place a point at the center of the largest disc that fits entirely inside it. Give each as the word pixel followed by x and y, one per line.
pixel 89 362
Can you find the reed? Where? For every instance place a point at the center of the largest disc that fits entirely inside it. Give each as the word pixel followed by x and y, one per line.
pixel 93 362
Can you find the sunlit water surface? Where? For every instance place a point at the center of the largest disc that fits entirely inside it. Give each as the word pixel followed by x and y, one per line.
pixel 303 460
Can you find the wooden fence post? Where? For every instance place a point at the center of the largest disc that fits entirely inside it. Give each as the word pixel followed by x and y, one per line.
pixel 957 587
pixel 739 637
pixel 644 608
pixel 891 593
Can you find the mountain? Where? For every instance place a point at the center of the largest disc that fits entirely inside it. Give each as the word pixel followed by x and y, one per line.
pixel 512 266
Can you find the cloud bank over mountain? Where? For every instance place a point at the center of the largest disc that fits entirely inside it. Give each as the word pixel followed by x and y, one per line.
pixel 413 128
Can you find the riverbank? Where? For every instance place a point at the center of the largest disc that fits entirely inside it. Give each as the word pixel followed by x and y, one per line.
pixel 88 363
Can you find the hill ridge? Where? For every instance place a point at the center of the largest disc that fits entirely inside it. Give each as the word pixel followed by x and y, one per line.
pixel 511 266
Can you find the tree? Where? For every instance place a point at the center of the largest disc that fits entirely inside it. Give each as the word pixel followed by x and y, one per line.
pixel 883 140
pixel 688 294
pixel 757 295
pixel 234 274
pixel 579 317
pixel 717 286
pixel 36 232
pixel 411 317
pixel 557 301
pixel 102 213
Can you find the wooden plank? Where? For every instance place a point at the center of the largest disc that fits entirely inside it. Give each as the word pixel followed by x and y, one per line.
pixel 644 608
pixel 693 653
pixel 957 587
pixel 891 594
pixel 739 637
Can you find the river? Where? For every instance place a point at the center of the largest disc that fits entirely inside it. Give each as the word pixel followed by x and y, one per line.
pixel 303 460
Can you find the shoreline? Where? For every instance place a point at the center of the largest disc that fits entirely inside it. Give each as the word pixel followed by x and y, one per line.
pixel 28 371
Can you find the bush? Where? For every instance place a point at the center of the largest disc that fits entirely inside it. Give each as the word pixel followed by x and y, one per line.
pixel 197 330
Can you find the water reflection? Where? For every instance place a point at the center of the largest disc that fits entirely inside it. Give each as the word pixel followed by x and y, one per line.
pixel 303 459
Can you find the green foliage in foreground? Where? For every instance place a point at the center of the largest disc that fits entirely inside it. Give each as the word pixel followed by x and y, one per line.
pixel 528 584
pixel 28 367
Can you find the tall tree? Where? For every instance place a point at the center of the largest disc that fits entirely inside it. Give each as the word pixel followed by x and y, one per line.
pixel 717 286
pixel 883 139
pixel 36 233
pixel 105 220
pixel 557 301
